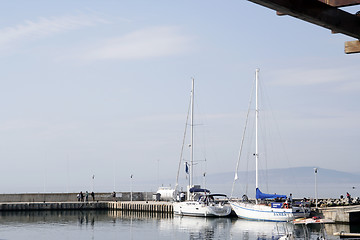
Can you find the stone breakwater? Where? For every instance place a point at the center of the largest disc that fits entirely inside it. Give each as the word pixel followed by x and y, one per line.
pixel 331 202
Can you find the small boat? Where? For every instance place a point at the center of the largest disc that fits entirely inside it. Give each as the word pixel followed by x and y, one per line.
pixel 207 205
pixel 261 209
pixel 199 201
pixel 314 220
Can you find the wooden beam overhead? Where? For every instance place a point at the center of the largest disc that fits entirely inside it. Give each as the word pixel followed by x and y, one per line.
pixel 318 13
pixel 341 3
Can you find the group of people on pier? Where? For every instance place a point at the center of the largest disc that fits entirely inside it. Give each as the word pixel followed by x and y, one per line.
pixel 85 197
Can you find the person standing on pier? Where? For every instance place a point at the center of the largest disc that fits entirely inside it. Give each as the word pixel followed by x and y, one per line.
pixel 290 199
pixel 93 196
pixel 81 196
pixel 348 197
pixel 86 196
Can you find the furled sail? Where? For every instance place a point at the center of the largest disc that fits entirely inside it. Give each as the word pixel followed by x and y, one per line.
pixel 260 195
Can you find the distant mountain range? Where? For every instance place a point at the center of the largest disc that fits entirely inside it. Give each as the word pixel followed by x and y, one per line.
pixel 305 175
pixel 298 180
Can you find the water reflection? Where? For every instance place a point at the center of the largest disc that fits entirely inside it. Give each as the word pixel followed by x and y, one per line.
pixel 140 215
pixel 261 230
pixel 201 228
pixel 141 225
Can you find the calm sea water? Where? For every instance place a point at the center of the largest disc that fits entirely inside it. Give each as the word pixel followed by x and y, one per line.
pixel 129 225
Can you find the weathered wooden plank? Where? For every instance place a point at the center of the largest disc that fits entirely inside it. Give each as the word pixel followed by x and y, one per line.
pixel 352 47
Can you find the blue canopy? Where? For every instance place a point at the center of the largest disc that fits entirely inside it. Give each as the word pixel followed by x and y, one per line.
pixel 192 190
pixel 260 195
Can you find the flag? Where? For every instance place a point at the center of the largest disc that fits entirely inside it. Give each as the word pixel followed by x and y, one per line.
pixel 186 168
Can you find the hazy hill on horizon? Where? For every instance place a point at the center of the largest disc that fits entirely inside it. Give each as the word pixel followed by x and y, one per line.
pixel 284 175
pixel 297 180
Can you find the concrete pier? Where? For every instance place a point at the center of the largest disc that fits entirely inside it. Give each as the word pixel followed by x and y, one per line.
pixel 39 206
pixel 68 201
pixel 342 214
pixel 138 206
pixel 141 203
pixel 71 197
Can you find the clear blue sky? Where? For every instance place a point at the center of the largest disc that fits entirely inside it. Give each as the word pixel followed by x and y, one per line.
pixel 102 88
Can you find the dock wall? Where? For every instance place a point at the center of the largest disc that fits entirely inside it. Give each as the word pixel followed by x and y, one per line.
pixel 41 206
pixel 71 197
pixel 138 206
pixel 141 202
pixel 343 214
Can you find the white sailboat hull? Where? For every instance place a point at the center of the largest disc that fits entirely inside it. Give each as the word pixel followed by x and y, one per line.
pixel 198 209
pixel 262 212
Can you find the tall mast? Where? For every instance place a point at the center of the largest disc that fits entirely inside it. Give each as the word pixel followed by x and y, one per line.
pixel 192 135
pixel 256 127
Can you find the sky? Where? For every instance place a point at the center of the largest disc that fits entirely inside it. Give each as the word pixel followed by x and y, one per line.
pixel 93 92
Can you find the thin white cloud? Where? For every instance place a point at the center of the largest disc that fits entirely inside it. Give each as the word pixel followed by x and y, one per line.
pixel 340 79
pixel 43 27
pixel 350 86
pixel 299 122
pixel 40 127
pixel 304 77
pixel 182 117
pixel 141 44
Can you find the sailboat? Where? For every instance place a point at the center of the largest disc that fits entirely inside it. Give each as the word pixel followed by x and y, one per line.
pixel 200 202
pixel 261 209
